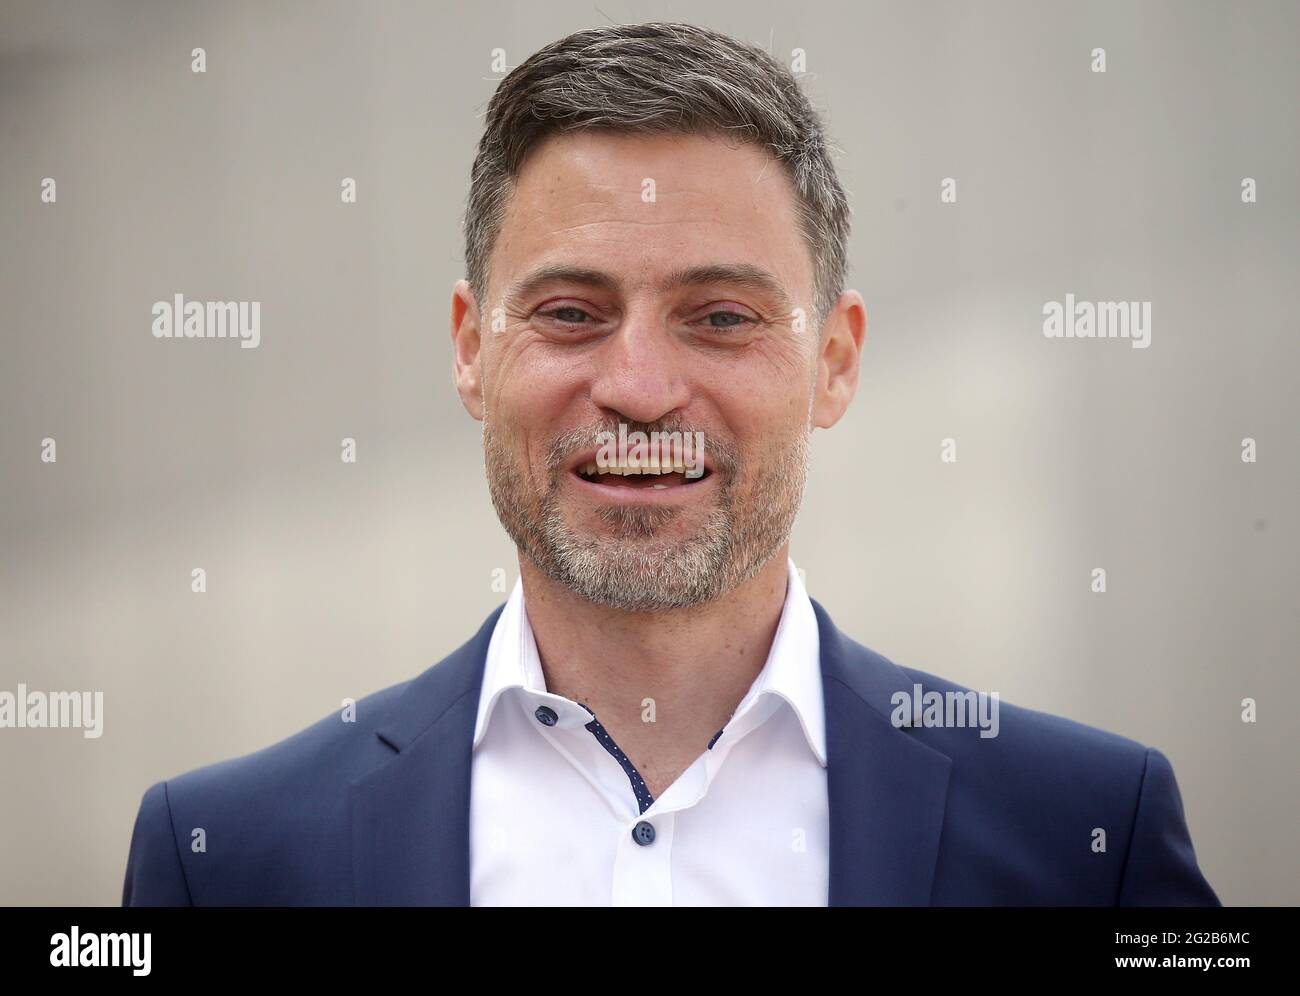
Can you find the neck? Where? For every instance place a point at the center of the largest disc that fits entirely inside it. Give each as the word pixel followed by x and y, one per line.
pixel 693 665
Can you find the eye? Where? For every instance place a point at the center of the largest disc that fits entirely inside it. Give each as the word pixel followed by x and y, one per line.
pixel 566 315
pixel 727 319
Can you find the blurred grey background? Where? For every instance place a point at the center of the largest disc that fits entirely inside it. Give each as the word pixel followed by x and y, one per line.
pixel 329 580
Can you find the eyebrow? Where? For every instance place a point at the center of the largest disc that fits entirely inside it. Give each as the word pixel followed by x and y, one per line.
pixel 745 275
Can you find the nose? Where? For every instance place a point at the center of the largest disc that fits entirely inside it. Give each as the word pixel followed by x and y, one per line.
pixel 641 371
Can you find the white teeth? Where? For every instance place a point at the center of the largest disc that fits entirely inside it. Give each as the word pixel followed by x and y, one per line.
pixel 660 487
pixel 651 465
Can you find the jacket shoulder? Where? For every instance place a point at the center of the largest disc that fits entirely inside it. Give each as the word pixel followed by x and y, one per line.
pixel 259 828
pixel 1032 735
pixel 1097 814
pixel 337 746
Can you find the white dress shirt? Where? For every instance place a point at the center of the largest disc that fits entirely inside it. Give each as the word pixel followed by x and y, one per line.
pixel 556 809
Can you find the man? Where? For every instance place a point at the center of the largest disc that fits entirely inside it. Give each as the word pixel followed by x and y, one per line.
pixel 659 714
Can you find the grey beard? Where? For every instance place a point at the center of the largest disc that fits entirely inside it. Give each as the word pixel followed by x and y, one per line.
pixel 637 568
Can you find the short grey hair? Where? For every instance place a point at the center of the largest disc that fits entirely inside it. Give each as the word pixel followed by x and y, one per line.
pixel 658 78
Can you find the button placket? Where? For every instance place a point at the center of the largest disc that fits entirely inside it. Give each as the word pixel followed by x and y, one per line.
pixel 643 871
pixel 640 790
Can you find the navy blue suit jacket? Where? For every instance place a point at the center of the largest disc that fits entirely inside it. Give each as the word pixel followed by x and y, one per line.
pixel 376 811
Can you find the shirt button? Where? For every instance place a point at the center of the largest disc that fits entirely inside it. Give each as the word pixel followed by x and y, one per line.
pixel 643 833
pixel 546 715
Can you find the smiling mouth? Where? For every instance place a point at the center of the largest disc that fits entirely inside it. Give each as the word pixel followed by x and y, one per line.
pixel 653 477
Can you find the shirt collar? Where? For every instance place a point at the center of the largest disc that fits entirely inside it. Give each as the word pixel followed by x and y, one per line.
pixel 508 659
pixel 792 670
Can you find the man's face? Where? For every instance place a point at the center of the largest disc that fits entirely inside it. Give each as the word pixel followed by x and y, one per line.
pixel 630 326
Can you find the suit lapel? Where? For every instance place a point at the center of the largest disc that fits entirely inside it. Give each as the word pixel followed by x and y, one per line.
pixel 410 816
pixel 887 791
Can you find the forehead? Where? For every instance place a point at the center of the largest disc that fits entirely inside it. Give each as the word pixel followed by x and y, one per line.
pixel 642 206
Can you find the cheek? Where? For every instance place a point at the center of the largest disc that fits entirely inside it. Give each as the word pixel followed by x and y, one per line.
pixel 773 368
pixel 538 375
pixel 770 402
pixel 534 403
pixel 772 424
pixel 528 393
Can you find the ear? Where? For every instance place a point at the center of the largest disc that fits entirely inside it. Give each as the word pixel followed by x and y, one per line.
pixel 466 342
pixel 839 353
